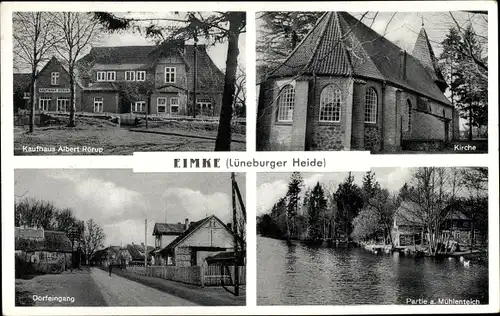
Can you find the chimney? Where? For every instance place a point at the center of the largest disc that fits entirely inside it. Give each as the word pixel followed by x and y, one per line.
pixel 402 64
pixel 186 223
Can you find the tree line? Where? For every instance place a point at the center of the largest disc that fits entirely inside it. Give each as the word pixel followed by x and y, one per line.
pixel 354 213
pixel 88 236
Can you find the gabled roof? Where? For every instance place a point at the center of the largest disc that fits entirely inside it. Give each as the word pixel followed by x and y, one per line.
pixel 341 45
pixel 193 227
pixel 102 86
pixel 406 214
pixel 210 78
pixel 64 67
pixel 137 251
pixel 168 229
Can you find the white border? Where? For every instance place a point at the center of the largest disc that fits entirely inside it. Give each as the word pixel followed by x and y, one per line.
pixel 339 161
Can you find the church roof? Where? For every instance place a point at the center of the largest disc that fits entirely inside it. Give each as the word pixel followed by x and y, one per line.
pixel 341 45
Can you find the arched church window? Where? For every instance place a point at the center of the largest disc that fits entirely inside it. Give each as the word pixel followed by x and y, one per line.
pixel 329 106
pixel 371 101
pixel 286 102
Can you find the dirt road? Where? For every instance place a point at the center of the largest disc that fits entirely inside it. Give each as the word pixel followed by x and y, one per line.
pixel 118 291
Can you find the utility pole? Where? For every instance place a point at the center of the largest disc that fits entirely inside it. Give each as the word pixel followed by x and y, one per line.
pixel 235 236
pixel 195 79
pixel 145 244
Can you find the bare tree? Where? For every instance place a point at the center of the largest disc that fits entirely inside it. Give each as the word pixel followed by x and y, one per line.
pixel 78 31
pixel 432 191
pixel 240 96
pixel 93 239
pixel 33 42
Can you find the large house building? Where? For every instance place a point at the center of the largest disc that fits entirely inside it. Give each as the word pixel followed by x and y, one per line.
pixel 158 80
pixel 52 88
pixel 345 87
pixel 198 241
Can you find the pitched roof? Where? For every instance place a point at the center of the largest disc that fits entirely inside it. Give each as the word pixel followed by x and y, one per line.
pixel 210 78
pixel 53 241
pixel 137 251
pixel 102 86
pixel 406 214
pixel 192 228
pixel 168 229
pixel 425 54
pixel 341 45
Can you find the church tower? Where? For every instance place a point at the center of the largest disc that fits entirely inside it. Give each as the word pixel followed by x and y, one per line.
pixel 425 54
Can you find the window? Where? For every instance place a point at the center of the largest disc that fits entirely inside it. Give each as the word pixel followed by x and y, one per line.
pixel 111 75
pixel 371 101
pixel 174 105
pixel 169 74
pixel 286 102
pixel 141 76
pixel 62 104
pixel 101 76
pixel 329 104
pixel 138 106
pixel 27 95
pixel 54 78
pixel 44 103
pixel 98 104
pixel 204 105
pixel 161 105
pixel 130 75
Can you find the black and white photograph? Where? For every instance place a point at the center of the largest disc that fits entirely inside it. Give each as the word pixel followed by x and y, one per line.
pixel 111 83
pixel 402 236
pixel 384 82
pixel 107 237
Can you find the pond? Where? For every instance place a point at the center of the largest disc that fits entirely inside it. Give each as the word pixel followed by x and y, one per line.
pixel 291 273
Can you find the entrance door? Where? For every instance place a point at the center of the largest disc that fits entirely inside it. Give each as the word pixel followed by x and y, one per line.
pixel 446 131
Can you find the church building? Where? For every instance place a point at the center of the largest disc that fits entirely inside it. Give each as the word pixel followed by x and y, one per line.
pixel 346 87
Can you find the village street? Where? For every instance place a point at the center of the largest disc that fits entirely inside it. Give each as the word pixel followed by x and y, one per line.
pixel 118 291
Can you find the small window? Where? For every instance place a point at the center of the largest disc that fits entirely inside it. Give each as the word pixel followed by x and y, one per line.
pixel 169 74
pixel 329 105
pixel 111 76
pixel 27 95
pixel 174 105
pixel 371 101
pixel 130 75
pixel 141 76
pixel 45 103
pixel 138 106
pixel 54 78
pixel 204 105
pixel 286 103
pixel 161 105
pixel 101 76
pixel 98 104
pixel 62 104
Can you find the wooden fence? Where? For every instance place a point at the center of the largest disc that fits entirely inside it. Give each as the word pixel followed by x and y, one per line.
pixel 203 276
pixel 215 275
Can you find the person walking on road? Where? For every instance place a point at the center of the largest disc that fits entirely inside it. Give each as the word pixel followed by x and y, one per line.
pixel 110 267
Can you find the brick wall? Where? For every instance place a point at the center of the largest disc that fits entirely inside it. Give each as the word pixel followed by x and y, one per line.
pixel 330 135
pixel 110 101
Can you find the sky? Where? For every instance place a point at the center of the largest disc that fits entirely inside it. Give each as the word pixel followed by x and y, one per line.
pixel 273 186
pixel 404 27
pixel 119 200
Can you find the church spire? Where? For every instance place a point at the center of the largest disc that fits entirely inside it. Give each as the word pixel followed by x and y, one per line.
pixel 425 54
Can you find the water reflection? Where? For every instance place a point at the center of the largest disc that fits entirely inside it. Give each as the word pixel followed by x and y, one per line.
pixel 290 273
